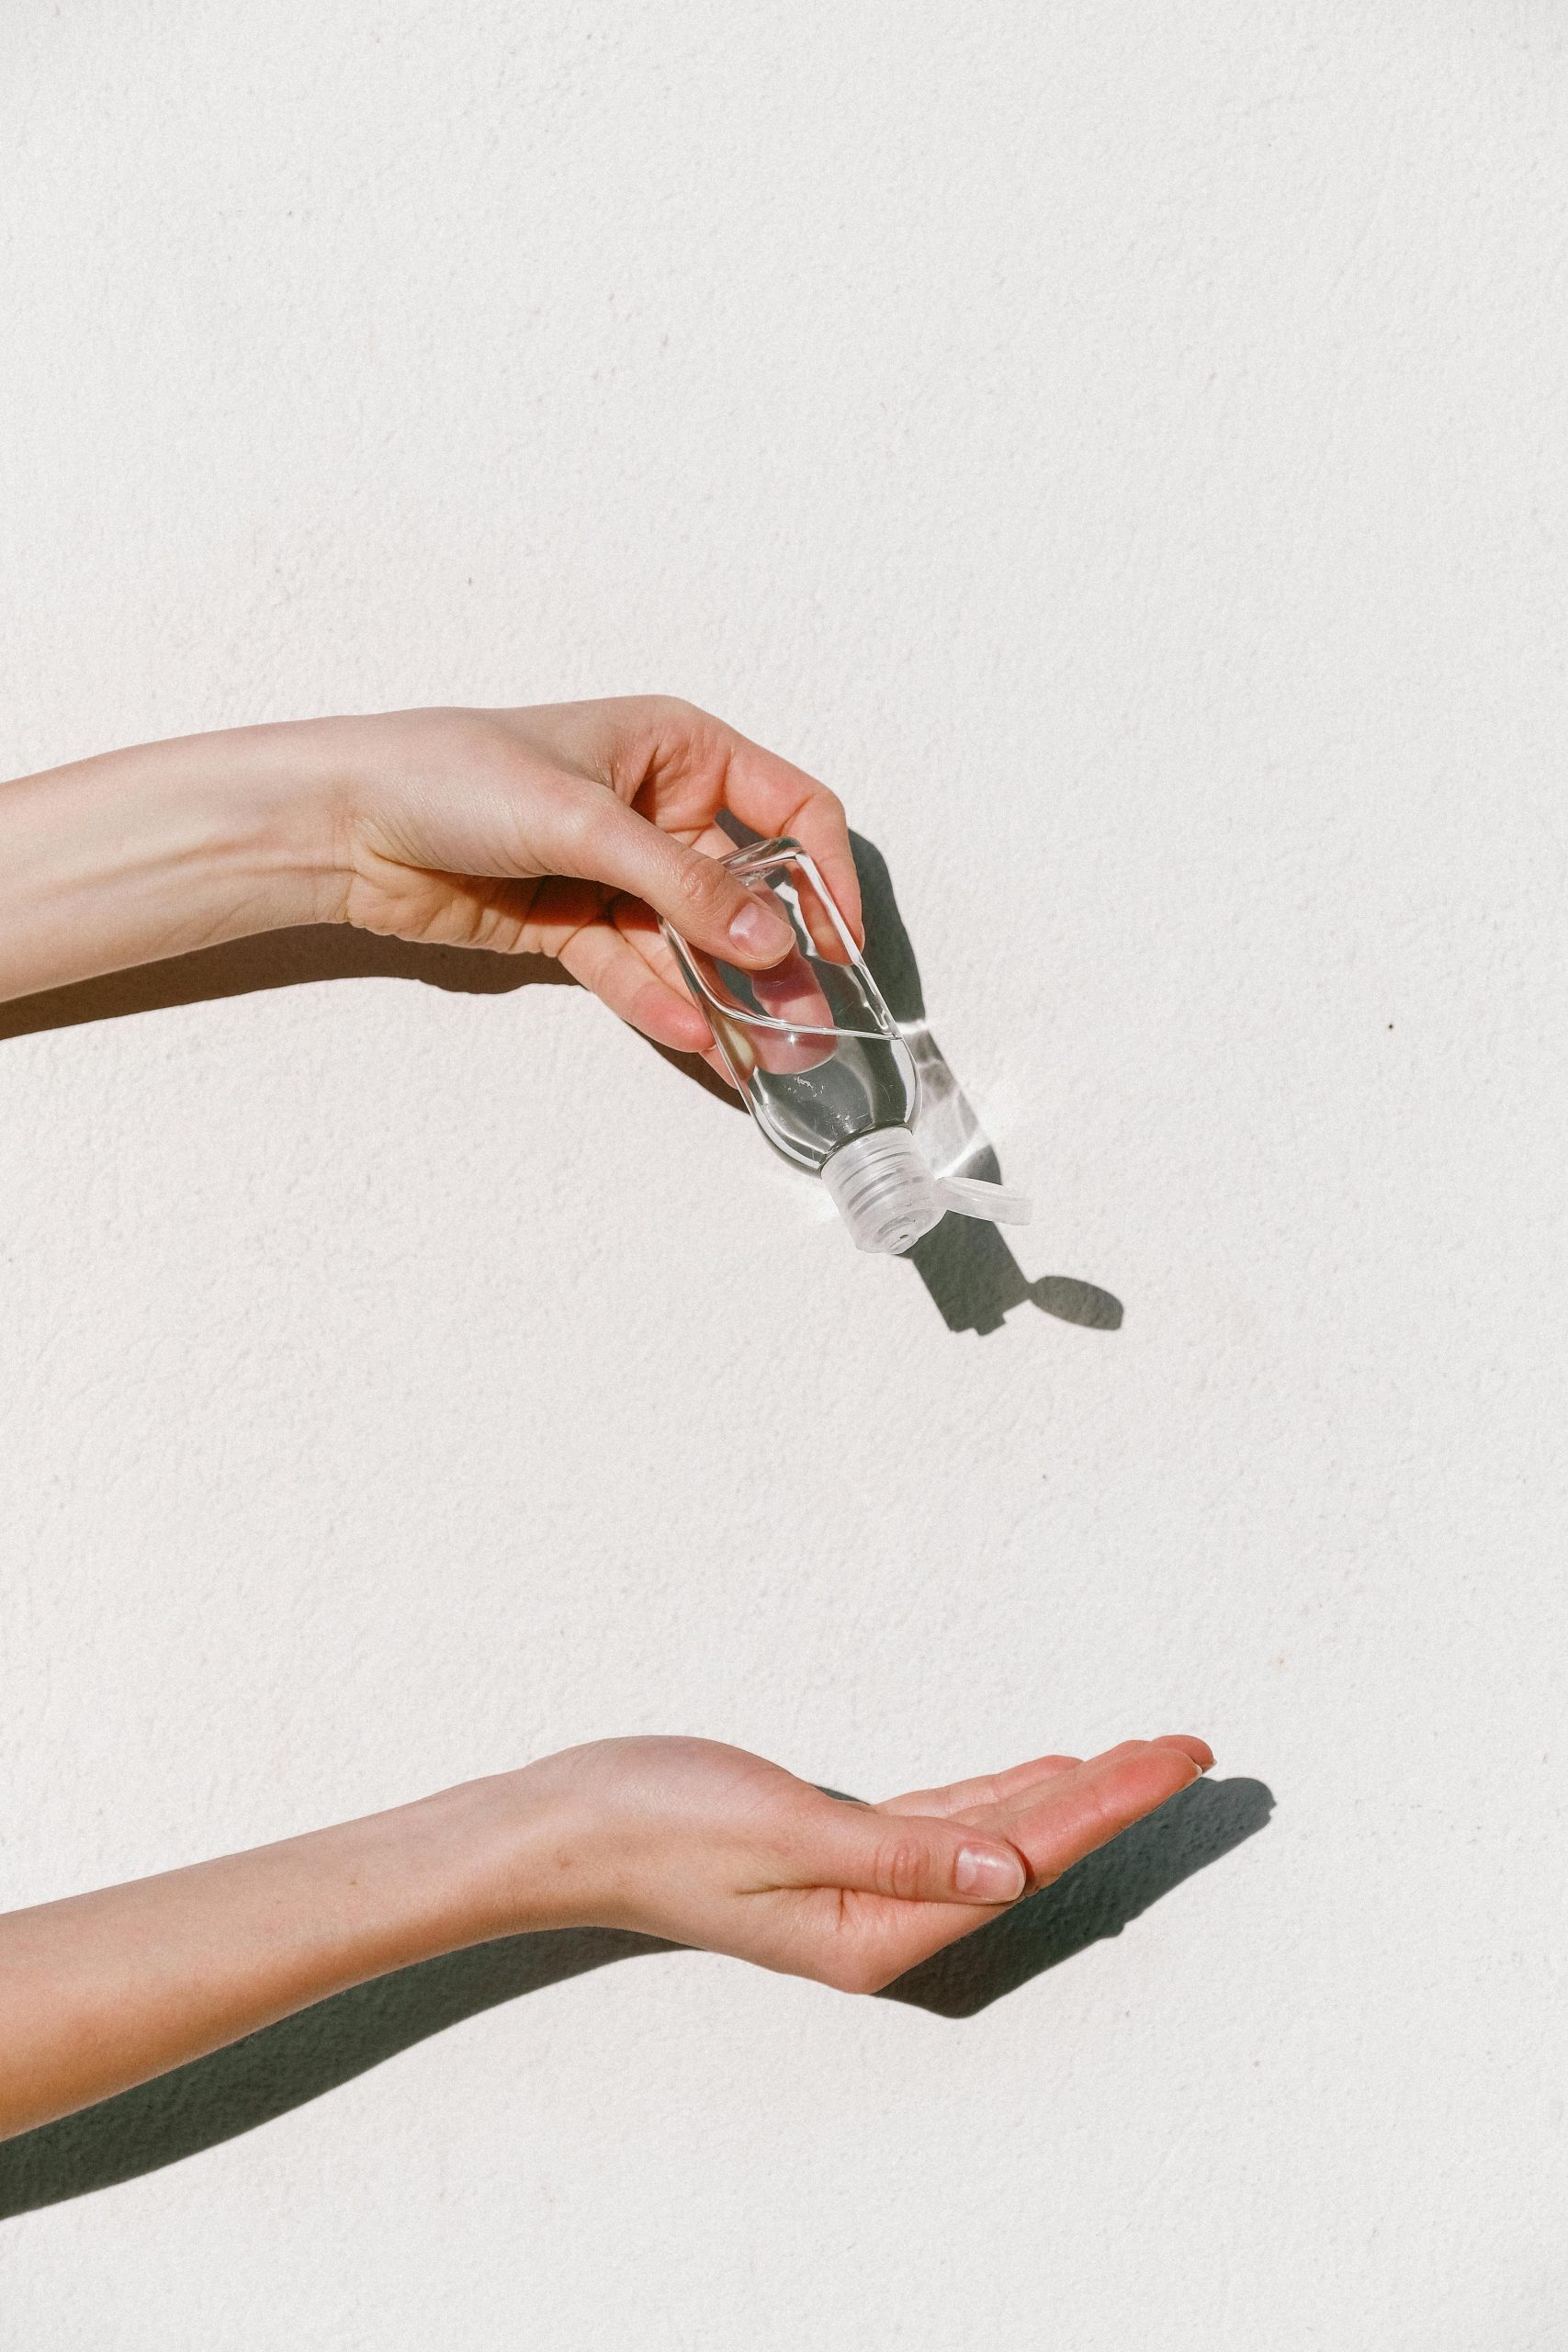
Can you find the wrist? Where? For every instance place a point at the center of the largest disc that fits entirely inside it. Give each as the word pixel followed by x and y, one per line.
pixel 517 1856
pixel 496 1857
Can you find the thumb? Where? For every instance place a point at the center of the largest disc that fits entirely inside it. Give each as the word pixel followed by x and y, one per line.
pixel 914 1859
pixel 596 837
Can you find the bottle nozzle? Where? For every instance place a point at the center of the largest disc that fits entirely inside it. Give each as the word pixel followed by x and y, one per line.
pixel 975 1196
pixel 886 1194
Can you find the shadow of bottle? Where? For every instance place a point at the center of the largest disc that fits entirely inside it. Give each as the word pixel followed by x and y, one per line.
pixel 302 2057
pixel 972 1276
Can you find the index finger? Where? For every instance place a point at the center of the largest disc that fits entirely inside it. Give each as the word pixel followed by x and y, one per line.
pixel 775 798
pixel 986 1788
pixel 1061 1819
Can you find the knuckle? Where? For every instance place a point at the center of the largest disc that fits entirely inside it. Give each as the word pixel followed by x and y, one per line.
pixel 645 718
pixel 901 1869
pixel 703 886
pixel 481 741
pixel 577 824
pixel 674 709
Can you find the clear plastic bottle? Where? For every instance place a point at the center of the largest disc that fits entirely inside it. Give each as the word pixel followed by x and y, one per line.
pixel 822 1068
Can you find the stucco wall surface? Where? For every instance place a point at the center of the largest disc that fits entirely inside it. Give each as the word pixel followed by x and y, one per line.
pixel 1122 450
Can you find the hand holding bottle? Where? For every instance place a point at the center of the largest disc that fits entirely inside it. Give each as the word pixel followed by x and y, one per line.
pixel 563 831
pixel 679 1839
pixel 567 830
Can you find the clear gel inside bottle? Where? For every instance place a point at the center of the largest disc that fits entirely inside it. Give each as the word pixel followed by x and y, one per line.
pixel 820 1064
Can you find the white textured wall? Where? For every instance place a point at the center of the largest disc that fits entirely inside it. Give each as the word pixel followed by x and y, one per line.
pixel 1122 450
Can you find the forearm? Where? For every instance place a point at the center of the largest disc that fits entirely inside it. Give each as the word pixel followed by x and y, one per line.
pixel 684 1839
pixel 148 853
pixel 101 1991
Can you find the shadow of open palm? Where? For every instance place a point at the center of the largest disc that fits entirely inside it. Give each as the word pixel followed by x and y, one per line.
pixel 284 2066
pixel 973 1281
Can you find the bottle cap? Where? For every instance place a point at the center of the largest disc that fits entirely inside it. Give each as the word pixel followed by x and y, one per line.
pixel 886 1194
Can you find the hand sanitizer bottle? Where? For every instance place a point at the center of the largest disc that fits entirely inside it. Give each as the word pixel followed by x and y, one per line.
pixel 822 1065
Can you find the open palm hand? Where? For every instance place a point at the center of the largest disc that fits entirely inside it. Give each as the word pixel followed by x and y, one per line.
pixel 708 1845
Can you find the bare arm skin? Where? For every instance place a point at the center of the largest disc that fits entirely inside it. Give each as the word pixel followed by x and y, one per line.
pixel 679 1839
pixel 565 830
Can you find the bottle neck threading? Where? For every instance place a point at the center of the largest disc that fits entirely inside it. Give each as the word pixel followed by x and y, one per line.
pixel 883 1189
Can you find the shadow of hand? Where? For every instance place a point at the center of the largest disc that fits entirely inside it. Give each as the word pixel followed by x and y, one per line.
pixel 286 959
pixel 274 959
pixel 1097 1898
pixel 283 2066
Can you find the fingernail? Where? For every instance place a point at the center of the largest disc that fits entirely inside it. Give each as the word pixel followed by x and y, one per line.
pixel 761 930
pixel 989 1878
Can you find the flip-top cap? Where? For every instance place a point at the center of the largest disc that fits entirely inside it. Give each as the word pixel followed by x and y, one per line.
pixel 886 1194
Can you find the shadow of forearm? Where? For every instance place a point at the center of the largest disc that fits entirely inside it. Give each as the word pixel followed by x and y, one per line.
pixel 286 2065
